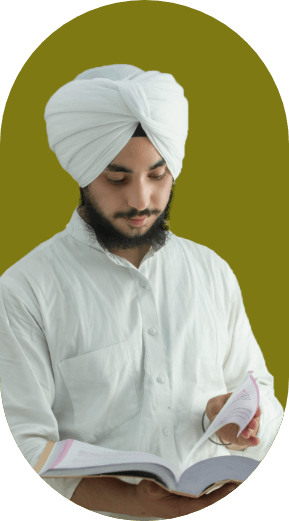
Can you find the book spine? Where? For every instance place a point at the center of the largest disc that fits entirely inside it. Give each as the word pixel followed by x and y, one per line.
pixel 63 453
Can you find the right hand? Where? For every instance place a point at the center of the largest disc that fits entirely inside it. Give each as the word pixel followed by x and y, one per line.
pixel 151 500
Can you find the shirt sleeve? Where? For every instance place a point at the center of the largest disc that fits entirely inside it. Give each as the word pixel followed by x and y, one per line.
pixel 243 355
pixel 27 383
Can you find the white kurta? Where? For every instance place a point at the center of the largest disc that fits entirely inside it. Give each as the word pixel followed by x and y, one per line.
pixel 94 349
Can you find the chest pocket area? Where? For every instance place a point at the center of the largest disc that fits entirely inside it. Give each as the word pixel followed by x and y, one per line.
pixel 101 385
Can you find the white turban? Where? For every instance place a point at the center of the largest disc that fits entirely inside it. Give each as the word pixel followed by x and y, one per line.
pixel 91 119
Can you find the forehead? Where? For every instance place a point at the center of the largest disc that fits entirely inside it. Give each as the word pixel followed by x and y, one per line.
pixel 138 150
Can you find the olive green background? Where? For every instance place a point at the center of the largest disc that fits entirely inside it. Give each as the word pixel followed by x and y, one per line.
pixel 232 192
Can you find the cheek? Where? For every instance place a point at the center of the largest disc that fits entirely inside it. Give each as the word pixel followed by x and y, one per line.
pixel 106 200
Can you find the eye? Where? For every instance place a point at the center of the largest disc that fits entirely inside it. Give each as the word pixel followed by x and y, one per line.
pixel 154 177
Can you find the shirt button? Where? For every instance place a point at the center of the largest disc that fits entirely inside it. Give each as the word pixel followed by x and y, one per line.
pixel 167 431
pixel 152 331
pixel 161 379
pixel 143 283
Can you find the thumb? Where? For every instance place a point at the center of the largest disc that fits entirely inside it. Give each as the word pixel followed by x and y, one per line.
pixel 154 490
pixel 232 487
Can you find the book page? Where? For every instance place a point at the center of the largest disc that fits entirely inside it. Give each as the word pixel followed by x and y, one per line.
pixel 239 409
pixel 73 454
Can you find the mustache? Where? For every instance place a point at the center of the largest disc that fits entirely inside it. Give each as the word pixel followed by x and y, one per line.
pixel 134 213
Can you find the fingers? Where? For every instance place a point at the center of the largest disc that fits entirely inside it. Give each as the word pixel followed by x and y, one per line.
pixel 251 430
pixel 254 423
pixel 220 493
pixel 252 427
pixel 252 441
pixel 188 505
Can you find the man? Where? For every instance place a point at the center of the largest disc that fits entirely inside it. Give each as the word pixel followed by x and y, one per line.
pixel 115 331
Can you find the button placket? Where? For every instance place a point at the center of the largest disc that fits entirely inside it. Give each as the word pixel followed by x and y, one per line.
pixel 168 448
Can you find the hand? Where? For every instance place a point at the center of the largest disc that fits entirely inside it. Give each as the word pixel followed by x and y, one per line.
pixel 228 433
pixel 151 500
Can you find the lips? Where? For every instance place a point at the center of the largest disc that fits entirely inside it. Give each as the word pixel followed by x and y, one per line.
pixel 138 221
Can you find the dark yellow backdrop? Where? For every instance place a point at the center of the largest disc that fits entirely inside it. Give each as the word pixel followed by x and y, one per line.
pixel 232 192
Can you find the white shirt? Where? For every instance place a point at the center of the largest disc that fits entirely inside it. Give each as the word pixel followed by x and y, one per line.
pixel 97 350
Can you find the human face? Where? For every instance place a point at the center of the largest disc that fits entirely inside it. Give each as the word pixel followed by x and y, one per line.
pixel 137 183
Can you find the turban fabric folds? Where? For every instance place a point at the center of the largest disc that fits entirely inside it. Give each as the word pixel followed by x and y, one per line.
pixel 91 119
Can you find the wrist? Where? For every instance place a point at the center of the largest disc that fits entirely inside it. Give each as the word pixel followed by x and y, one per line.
pixel 106 494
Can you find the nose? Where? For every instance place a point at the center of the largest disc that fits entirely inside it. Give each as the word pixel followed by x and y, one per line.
pixel 138 197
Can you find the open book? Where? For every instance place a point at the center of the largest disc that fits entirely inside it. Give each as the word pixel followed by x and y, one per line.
pixel 72 458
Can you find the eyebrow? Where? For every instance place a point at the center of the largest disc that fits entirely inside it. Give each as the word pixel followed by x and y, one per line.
pixel 121 168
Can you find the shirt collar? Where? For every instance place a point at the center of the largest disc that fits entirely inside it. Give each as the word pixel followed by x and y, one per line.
pixel 77 228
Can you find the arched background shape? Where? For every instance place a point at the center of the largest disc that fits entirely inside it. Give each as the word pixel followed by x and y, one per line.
pixel 231 194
